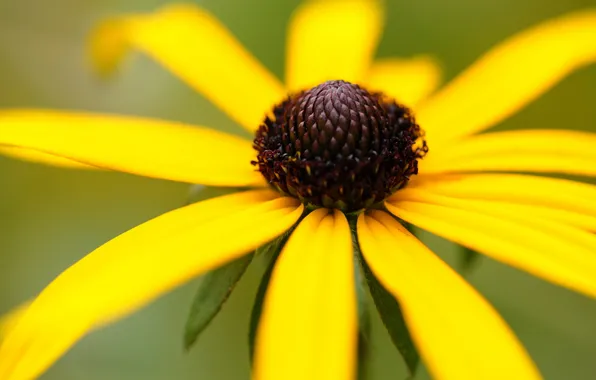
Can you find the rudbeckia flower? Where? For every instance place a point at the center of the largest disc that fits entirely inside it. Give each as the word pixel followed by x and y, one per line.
pixel 344 152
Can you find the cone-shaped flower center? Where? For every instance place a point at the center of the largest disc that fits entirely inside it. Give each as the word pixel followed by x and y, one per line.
pixel 337 145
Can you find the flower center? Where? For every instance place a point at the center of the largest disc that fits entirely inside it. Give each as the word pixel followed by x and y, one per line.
pixel 339 146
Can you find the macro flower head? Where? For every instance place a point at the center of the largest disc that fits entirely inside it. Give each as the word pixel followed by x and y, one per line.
pixel 346 154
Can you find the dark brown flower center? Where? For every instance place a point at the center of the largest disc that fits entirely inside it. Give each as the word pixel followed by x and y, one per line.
pixel 339 146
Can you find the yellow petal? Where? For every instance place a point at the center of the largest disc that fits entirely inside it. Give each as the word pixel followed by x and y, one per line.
pixel 42 158
pixel 510 76
pixel 109 44
pixel 9 320
pixel 151 148
pixel 135 268
pixel 196 47
pixel 539 141
pixel 540 251
pixel 524 189
pixel 408 81
pixel 459 335
pixel 514 162
pixel 527 212
pixel 550 151
pixel 332 39
pixel 309 326
pixel 509 211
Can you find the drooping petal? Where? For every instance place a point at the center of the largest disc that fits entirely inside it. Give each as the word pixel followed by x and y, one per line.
pixel 151 148
pixel 459 335
pixel 408 81
pixel 537 247
pixel 43 158
pixel 510 76
pixel 133 269
pixel 196 47
pixel 527 212
pixel 308 328
pixel 524 189
pixel 551 151
pixel 332 39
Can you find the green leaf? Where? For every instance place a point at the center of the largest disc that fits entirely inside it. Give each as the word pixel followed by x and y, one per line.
pixel 468 259
pixel 268 252
pixel 388 308
pixel 216 287
pixel 363 301
pixel 363 312
pixel 410 227
pixel 363 354
pixel 392 318
pixel 361 296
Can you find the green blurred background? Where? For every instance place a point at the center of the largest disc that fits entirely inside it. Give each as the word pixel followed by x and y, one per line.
pixel 49 218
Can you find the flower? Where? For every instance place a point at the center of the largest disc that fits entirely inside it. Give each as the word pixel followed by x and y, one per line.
pixel 462 192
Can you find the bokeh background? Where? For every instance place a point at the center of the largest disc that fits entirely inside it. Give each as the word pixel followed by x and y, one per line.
pixel 49 218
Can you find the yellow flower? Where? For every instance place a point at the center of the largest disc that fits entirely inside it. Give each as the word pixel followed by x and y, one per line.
pixel 308 327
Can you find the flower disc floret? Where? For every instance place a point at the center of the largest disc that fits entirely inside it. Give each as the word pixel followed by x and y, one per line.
pixel 339 146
